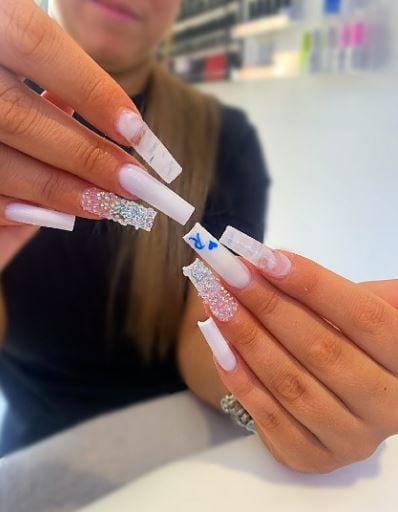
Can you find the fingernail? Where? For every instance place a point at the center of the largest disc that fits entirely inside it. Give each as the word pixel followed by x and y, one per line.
pixel 134 129
pixel 35 216
pixel 271 262
pixel 141 184
pixel 216 341
pixel 228 266
pixel 221 303
pixel 112 207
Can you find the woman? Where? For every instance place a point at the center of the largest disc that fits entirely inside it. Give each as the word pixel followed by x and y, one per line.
pixel 89 328
pixel 101 317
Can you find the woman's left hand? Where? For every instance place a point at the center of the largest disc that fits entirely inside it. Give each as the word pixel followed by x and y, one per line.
pixel 317 364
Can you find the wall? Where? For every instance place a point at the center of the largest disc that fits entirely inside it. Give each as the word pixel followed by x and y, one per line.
pixel 332 148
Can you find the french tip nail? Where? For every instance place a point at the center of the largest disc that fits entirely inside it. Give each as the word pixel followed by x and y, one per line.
pixel 218 345
pixel 272 262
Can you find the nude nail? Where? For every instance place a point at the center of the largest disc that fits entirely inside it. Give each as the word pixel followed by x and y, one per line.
pixel 216 341
pixel 36 216
pixel 271 262
pixel 227 265
pixel 141 184
pixel 134 129
pixel 221 303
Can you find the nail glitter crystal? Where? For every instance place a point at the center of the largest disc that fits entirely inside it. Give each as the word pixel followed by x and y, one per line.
pixel 221 303
pixel 112 207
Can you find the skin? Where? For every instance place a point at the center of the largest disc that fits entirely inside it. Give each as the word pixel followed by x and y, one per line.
pixel 61 157
pixel 287 424
pixel 317 364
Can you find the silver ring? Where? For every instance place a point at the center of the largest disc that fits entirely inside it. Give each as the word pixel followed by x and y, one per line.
pixel 230 405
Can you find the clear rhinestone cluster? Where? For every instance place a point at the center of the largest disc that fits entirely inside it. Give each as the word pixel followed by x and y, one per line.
pixel 221 303
pixel 230 405
pixel 112 207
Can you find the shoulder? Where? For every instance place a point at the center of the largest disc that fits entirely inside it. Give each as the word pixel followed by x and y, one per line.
pixel 235 127
pixel 239 146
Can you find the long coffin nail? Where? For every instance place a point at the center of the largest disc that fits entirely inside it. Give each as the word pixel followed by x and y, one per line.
pixel 216 341
pixel 112 207
pixel 271 262
pixel 141 184
pixel 36 216
pixel 134 129
pixel 228 266
pixel 221 303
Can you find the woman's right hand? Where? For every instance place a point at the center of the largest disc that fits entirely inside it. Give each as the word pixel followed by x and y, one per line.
pixel 48 161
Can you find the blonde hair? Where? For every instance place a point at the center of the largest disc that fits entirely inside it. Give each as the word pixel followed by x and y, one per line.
pixel 187 121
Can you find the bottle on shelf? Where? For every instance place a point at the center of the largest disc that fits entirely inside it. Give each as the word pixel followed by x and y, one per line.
pixel 331 7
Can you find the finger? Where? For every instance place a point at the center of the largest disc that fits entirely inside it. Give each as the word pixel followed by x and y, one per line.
pixel 282 433
pixel 34 45
pixel 361 315
pixel 386 290
pixel 286 379
pixel 365 387
pixel 35 127
pixel 57 190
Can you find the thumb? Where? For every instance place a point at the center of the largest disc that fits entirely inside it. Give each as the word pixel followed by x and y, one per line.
pixel 386 290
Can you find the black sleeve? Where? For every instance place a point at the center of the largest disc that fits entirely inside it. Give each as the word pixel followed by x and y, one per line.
pixel 239 193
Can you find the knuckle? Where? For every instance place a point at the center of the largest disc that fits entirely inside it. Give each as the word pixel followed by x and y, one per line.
pixel 50 187
pixel 5 159
pixel 324 351
pixel 95 90
pixel 270 421
pixel 266 306
pixel 370 314
pixel 16 111
pixel 358 444
pixel 90 156
pixel 248 335
pixel 27 34
pixel 290 387
pixel 243 390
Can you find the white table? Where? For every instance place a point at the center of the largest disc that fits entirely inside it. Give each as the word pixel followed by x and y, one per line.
pixel 181 456
pixel 83 464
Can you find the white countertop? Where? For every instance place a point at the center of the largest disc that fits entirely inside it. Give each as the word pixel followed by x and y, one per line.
pixel 176 454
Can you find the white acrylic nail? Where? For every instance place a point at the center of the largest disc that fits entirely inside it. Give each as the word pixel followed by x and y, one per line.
pixel 228 266
pixel 220 348
pixel 134 129
pixel 36 216
pixel 141 184
pixel 271 262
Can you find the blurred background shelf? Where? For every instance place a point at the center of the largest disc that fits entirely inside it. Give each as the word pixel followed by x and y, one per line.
pixel 244 39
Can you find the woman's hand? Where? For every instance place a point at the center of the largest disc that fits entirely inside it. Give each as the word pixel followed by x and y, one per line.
pixel 48 159
pixel 314 356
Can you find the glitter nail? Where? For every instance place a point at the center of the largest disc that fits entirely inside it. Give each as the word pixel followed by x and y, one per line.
pixel 221 303
pixel 112 207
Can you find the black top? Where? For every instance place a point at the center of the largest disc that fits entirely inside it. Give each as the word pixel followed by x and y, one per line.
pixel 57 366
